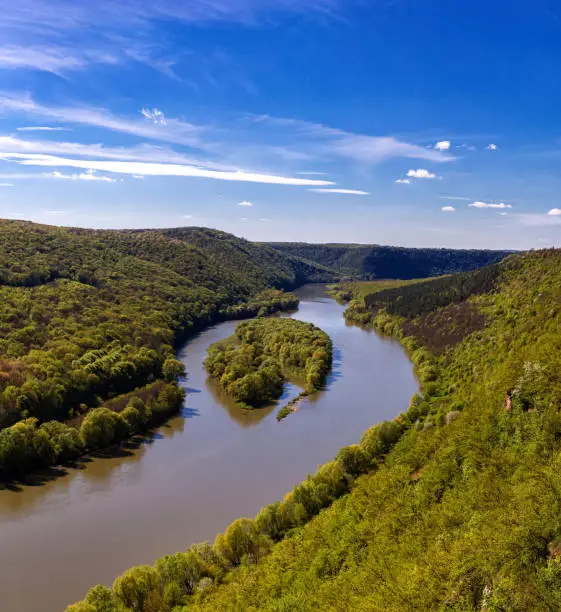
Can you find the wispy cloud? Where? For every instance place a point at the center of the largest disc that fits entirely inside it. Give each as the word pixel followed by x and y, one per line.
pixel 461 198
pixel 142 152
pixel 58 60
pixel 155 115
pixel 158 169
pixel 448 209
pixel 6 185
pixel 486 205
pixel 245 203
pixel 175 130
pixel 322 140
pixel 421 174
pixel 341 191
pixel 83 176
pixel 403 181
pixel 43 128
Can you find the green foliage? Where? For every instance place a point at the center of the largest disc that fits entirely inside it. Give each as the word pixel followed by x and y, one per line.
pixel 252 365
pixel 374 261
pixel 173 369
pixel 431 512
pixel 88 317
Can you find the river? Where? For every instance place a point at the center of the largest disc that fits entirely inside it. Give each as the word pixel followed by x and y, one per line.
pixel 199 472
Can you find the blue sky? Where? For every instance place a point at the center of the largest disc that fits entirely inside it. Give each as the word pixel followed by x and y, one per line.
pixel 421 123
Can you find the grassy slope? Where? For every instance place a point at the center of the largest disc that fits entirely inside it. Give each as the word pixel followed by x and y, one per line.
pixel 464 514
pixel 374 261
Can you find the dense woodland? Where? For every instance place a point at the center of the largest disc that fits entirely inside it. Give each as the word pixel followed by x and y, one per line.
pixel 88 316
pixel 373 261
pixel 452 506
pixel 253 365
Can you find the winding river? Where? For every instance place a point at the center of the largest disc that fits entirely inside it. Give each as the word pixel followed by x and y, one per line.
pixel 196 474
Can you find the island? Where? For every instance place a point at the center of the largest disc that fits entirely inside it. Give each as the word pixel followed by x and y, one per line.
pixel 254 363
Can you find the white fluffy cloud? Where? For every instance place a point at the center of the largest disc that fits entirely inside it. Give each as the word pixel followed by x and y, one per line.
pixel 420 173
pixel 443 145
pixel 245 203
pixel 486 205
pixel 492 147
pixel 554 212
pixel 403 181
pixel 155 115
pixel 448 209
pixel 341 191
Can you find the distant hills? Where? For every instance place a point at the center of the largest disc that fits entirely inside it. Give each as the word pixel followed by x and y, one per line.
pixel 369 262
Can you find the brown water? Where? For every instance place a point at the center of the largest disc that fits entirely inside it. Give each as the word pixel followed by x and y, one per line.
pixel 204 469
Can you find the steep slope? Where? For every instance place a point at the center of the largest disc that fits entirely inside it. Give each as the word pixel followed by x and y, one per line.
pixel 374 261
pixel 453 506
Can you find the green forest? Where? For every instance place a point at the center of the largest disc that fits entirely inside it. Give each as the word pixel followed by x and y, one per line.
pixel 91 316
pixel 368 262
pixel 454 505
pixel 253 365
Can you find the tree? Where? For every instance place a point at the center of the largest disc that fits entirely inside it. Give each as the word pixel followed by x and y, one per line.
pixel 102 428
pixel 140 589
pixel 173 369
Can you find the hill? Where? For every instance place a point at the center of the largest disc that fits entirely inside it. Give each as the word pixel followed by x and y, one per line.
pixel 89 316
pixel 374 261
pixel 453 506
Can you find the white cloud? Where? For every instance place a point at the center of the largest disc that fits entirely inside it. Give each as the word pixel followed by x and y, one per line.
pixel 6 185
pixel 43 128
pixel 143 152
pixel 322 140
pixel 187 216
pixel 245 203
pixel 492 147
pixel 403 181
pixel 448 209
pixel 155 115
pixel 461 198
pixel 56 59
pixel 341 191
pixel 83 176
pixel 158 169
pixel 486 205
pixel 421 174
pixel 138 177
pixel 554 212
pixel 443 145
pixel 179 132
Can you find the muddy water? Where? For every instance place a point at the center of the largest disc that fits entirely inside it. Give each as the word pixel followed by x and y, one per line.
pixel 202 470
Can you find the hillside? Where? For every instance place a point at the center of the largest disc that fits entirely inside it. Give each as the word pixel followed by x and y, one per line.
pixel 88 316
pixel 374 261
pixel 453 506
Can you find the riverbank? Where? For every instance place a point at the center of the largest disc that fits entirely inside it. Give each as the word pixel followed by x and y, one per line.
pixel 199 472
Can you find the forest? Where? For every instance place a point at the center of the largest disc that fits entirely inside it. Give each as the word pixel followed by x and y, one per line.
pixel 90 316
pixel 253 365
pixel 368 262
pixel 454 505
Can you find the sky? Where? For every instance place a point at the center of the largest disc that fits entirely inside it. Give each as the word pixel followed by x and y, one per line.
pixel 410 122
